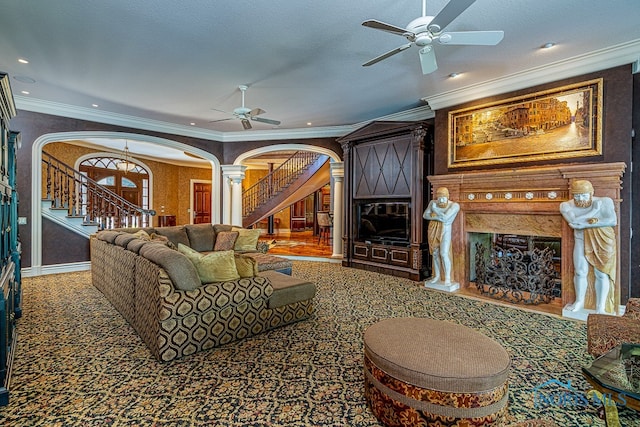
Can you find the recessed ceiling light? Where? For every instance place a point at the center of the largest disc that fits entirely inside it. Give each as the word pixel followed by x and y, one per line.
pixel 309 123
pixel 192 123
pixel 23 61
pixel 454 75
pixel 24 92
pixel 95 105
pixel 548 45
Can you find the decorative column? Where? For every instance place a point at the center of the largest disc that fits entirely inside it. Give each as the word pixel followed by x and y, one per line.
pixel 337 173
pixel 232 194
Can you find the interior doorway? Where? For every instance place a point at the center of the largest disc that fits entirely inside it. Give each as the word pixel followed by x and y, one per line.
pixel 200 202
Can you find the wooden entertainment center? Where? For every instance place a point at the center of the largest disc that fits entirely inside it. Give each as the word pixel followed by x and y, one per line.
pixel 385 166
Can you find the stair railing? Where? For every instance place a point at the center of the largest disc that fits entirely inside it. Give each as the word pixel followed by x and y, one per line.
pixel 276 181
pixel 83 197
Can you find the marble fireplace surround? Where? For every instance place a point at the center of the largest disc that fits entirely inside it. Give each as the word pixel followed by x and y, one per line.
pixel 525 201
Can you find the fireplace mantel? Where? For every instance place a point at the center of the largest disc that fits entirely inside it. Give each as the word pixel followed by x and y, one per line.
pixel 525 201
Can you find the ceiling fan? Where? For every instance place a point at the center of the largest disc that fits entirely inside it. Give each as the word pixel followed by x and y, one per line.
pixel 423 31
pixel 246 114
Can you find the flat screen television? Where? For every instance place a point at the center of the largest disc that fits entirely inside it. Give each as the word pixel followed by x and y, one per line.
pixel 384 222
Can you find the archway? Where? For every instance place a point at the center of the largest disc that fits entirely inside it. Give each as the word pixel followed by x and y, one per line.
pixel 36 177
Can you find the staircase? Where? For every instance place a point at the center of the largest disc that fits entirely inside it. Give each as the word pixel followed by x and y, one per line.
pixel 83 206
pixel 275 190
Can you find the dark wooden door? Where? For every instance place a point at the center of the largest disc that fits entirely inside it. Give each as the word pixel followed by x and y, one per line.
pixel 201 203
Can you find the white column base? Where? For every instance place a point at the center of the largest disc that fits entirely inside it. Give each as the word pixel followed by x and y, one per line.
pixel 441 286
pixel 580 314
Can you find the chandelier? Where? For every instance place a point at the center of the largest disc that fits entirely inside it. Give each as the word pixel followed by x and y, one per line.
pixel 126 164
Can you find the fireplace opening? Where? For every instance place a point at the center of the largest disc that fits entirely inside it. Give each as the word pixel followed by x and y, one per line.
pixel 517 268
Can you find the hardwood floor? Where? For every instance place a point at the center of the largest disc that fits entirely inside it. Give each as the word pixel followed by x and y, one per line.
pixel 299 243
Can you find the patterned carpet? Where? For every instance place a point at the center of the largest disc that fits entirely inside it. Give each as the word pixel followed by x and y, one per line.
pixel 78 363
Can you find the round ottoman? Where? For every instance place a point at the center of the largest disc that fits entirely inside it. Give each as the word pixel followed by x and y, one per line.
pixel 429 372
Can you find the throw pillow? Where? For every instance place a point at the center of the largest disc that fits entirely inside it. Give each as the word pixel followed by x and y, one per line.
pixel 214 267
pixel 247 239
pixel 225 241
pixel 162 239
pixel 141 234
pixel 246 266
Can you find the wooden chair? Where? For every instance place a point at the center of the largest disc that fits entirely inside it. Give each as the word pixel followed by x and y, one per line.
pixel 325 224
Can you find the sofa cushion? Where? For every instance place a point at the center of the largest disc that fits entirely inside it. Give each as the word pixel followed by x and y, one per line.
pixel 182 272
pixel 123 239
pixel 108 235
pixel 213 267
pixel 176 234
pixel 135 245
pixel 246 266
pixel 201 236
pixel 225 241
pixel 247 239
pixel 222 227
pixel 287 289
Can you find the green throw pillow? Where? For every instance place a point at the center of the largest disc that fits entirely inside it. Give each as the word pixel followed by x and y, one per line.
pixel 247 239
pixel 213 267
pixel 246 266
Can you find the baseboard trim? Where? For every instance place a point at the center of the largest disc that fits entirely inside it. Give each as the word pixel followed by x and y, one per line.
pixel 43 270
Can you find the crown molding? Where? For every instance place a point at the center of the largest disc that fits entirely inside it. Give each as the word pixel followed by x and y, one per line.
pixel 625 53
pixel 57 109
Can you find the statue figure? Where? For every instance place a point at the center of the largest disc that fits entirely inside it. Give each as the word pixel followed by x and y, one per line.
pixel 441 212
pixel 592 220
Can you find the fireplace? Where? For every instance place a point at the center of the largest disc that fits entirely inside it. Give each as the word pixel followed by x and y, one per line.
pixel 523 202
pixel 515 268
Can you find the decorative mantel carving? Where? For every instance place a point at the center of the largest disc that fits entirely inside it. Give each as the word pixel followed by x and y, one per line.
pixel 525 201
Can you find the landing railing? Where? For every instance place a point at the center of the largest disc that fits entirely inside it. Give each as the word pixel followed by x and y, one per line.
pixel 276 181
pixel 82 197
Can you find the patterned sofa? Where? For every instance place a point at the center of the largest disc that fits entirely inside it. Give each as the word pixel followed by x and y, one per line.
pixel 604 332
pixel 158 290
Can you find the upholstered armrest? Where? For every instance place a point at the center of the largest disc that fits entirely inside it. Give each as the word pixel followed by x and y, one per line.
pixel 633 309
pixel 605 332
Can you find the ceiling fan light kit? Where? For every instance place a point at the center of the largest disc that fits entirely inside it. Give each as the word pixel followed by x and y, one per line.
pixel 246 115
pixel 423 31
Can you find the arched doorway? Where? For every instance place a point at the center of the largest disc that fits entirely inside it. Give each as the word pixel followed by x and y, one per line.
pixel 132 184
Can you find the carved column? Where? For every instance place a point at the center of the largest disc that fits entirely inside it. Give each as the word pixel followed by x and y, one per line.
pixel 232 194
pixel 337 173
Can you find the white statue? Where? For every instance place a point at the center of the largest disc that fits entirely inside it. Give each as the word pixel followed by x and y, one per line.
pixel 592 220
pixel 441 213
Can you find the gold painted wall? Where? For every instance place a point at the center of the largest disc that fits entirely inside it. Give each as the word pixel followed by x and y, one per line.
pixel 170 182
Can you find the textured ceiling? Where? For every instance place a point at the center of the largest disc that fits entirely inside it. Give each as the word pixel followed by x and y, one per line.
pixel 164 64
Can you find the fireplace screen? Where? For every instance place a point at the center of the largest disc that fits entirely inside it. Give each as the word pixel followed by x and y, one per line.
pixel 518 269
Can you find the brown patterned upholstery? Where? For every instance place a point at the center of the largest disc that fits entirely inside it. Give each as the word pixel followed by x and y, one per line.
pixel 420 372
pixel 604 331
pixel 175 323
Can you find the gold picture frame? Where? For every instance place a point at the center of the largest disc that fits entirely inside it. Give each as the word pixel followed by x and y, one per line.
pixel 564 122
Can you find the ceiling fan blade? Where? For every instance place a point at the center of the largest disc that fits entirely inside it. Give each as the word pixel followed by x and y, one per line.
pixel 388 54
pixel 486 38
pixel 220 120
pixel 246 124
pixel 256 112
pixel 428 59
pixel 222 111
pixel 448 14
pixel 263 120
pixel 379 25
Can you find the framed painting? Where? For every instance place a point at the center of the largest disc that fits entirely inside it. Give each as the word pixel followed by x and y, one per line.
pixel 565 122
